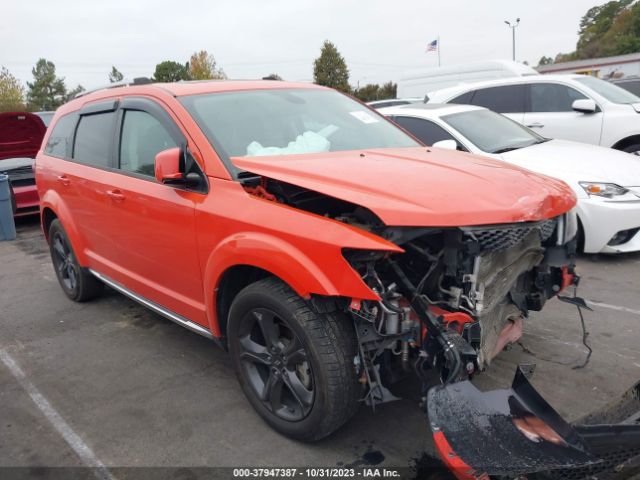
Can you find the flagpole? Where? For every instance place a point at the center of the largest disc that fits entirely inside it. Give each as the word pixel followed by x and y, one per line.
pixel 439 47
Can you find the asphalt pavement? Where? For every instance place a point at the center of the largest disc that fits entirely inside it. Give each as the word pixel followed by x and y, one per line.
pixel 110 382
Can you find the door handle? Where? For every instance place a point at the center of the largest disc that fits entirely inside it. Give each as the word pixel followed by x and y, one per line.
pixel 64 180
pixel 536 125
pixel 116 195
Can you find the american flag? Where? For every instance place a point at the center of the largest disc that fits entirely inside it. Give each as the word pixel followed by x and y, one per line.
pixel 433 46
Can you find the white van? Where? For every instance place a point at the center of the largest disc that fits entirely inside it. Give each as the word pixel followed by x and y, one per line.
pixel 421 82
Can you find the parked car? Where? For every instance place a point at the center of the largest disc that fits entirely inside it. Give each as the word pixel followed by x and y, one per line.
pixel 394 102
pixel 630 83
pixel 327 249
pixel 569 107
pixel 605 181
pixel 21 135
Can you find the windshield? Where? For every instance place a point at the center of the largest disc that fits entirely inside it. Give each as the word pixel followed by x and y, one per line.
pixel 288 121
pixel 492 132
pixel 611 92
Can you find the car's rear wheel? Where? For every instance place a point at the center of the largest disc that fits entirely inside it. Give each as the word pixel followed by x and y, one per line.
pixel 77 282
pixel 294 364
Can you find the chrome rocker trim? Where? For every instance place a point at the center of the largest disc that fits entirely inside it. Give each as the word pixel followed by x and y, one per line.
pixel 174 317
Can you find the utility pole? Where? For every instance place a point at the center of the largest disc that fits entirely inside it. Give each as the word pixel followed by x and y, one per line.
pixel 513 36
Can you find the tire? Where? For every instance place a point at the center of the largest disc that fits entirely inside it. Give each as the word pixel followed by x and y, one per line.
pixel 76 282
pixel 310 362
pixel 632 149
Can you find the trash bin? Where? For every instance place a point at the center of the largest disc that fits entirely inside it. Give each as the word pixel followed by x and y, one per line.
pixel 7 225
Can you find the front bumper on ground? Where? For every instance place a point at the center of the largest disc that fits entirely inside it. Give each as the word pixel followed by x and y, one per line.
pixel 515 431
pixel 602 218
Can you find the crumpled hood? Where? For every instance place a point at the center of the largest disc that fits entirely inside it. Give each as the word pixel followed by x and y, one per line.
pixel 585 162
pixel 422 186
pixel 21 134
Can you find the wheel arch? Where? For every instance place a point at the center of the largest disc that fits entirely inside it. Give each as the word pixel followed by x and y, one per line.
pixel 232 281
pixel 244 256
pixel 53 207
pixel 47 216
pixel 626 142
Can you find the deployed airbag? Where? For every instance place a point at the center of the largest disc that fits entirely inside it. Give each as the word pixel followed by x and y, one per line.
pixel 308 142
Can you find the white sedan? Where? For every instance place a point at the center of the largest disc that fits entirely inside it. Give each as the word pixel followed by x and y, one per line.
pixel 606 181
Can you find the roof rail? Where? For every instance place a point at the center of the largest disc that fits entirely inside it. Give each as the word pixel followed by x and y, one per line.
pixel 135 81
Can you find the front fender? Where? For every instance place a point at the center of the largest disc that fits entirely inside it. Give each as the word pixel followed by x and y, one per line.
pixel 327 274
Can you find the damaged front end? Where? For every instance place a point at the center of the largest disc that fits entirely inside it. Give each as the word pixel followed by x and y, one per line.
pixel 457 296
pixel 447 305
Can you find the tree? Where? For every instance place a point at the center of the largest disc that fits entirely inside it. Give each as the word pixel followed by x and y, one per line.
pixel 11 92
pixel 47 91
pixel 330 69
pixel 545 61
pixel 388 90
pixel 373 91
pixel 203 66
pixel 170 71
pixel 605 30
pixel 115 75
pixel 272 76
pixel 72 94
pixel 367 93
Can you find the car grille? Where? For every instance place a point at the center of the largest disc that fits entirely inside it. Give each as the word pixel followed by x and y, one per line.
pixel 504 237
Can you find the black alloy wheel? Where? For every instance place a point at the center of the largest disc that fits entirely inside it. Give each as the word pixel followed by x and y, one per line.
pixel 275 364
pixel 294 358
pixel 64 262
pixel 77 282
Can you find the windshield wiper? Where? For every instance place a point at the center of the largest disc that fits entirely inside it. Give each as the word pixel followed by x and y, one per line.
pixel 505 149
pixel 517 147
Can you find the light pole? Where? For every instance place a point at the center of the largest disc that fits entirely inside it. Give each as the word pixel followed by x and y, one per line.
pixel 513 35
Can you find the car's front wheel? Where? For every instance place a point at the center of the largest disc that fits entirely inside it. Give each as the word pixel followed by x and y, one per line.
pixel 294 364
pixel 77 282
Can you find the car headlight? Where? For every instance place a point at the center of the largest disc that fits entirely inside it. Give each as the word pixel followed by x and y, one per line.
pixel 567 227
pixel 608 190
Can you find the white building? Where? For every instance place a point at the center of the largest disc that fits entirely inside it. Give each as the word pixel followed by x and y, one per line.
pixel 607 68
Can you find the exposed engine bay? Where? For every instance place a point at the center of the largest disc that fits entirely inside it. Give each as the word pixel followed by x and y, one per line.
pixel 454 299
pixel 451 302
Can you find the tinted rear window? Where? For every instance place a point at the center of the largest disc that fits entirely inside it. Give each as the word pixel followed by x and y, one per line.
pixel 463 99
pixel 94 138
pixel 424 130
pixel 60 141
pixel 553 97
pixel 504 99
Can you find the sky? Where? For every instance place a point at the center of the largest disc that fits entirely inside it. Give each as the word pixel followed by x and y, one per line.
pixel 380 39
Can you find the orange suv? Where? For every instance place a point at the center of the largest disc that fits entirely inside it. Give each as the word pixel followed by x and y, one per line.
pixel 323 246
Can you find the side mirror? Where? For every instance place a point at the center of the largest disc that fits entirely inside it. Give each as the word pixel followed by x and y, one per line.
pixel 446 144
pixel 584 105
pixel 167 167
